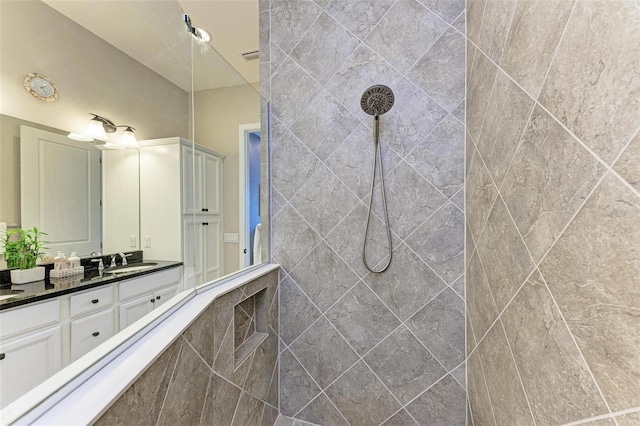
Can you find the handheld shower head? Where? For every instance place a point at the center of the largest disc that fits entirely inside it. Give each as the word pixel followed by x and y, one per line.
pixel 377 100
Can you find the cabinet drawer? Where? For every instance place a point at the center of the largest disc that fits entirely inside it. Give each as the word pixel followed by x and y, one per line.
pixel 89 332
pixel 31 317
pixel 91 301
pixel 147 284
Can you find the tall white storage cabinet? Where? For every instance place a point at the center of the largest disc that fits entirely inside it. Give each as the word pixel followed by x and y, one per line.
pixel 181 206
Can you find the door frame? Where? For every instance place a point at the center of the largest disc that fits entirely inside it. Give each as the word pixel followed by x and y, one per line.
pixel 244 239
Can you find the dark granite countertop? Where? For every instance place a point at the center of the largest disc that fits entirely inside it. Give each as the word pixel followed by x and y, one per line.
pixel 23 294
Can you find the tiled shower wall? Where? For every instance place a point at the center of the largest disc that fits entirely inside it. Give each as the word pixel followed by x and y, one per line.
pixel 195 381
pixel 553 210
pixel 360 348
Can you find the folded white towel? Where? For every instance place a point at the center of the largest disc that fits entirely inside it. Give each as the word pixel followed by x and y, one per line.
pixel 257 246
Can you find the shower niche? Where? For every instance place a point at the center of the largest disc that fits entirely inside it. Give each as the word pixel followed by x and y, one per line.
pixel 249 325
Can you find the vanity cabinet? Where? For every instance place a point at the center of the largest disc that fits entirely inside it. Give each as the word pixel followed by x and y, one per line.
pixel 90 331
pixel 181 205
pixel 30 348
pixel 141 296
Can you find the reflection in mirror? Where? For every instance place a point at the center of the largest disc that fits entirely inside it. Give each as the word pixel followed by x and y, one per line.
pixel 148 223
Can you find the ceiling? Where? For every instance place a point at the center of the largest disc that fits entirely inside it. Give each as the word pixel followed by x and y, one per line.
pixel 152 32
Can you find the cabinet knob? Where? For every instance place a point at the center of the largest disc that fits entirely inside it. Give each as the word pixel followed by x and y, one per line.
pixel 95 333
pixel 205 223
pixel 204 210
pixel 153 300
pixel 94 301
pixel 2 356
pixel 158 297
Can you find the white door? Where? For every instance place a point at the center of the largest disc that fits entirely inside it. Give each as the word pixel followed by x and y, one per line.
pixel 211 248
pixel 192 175
pixel 60 190
pixel 28 361
pixel 193 252
pixel 211 183
pixel 135 309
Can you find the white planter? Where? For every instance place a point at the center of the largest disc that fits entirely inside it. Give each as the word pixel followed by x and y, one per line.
pixel 21 276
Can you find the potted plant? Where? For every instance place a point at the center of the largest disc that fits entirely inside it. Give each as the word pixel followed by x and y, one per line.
pixel 22 249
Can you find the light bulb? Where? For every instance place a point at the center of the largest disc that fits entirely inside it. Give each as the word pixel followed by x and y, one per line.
pixel 95 130
pixel 129 139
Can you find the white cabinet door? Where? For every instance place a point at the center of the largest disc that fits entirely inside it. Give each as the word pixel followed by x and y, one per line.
pixel 162 296
pixel 135 309
pixel 192 176
pixel 193 260
pixel 27 361
pixel 211 184
pixel 211 248
pixel 89 332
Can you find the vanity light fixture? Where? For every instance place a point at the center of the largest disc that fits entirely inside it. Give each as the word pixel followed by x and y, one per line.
pixel 99 127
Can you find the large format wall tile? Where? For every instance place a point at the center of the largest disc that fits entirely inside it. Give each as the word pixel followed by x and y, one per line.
pixel 506 117
pixel 323 352
pixel 481 309
pixel 496 21
pixel 324 125
pixel 593 271
pixel 292 89
pixel 191 376
pixel 321 411
pixel 508 400
pixel 286 179
pixel 349 13
pixel 482 411
pixel 440 242
pixel 407 285
pixel 324 285
pixel 405 27
pixel 413 199
pixel 448 10
pixel 324 48
pixel 297 388
pixel 440 156
pixel 361 397
pixel 594 82
pixel 442 404
pixel 404 365
pixel 542 21
pixel 362 319
pixel 290 19
pixel 440 327
pixel 142 402
pixel 481 77
pixel 627 165
pixel 481 194
pixel 541 196
pixel 293 238
pixel 324 201
pixel 440 72
pixel 297 312
pixel 554 375
pixel 505 258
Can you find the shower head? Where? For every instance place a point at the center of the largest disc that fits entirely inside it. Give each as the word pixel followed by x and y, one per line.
pixel 377 100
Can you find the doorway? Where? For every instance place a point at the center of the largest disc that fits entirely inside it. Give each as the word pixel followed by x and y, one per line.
pixel 249 194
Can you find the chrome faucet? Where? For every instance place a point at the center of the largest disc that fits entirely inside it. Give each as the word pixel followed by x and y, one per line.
pixel 100 265
pixel 124 257
pixel 113 261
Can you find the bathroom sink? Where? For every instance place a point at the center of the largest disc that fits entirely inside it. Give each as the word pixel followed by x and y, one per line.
pixel 134 267
pixel 6 294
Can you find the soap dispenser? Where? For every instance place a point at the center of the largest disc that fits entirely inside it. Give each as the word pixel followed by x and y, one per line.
pixel 74 260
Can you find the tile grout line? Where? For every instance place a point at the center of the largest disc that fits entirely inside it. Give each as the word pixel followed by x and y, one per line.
pixel 173 372
pixel 584 360
pixel 612 416
pixel 515 364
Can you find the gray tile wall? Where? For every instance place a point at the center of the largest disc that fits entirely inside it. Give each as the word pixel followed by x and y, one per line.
pixel 194 381
pixel 360 348
pixel 553 211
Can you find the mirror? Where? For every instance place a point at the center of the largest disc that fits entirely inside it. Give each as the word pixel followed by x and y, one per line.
pixel 190 193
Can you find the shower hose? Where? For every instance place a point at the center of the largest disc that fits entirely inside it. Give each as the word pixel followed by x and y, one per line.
pixel 377 159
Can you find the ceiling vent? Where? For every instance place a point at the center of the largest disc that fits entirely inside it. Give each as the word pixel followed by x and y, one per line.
pixel 250 55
